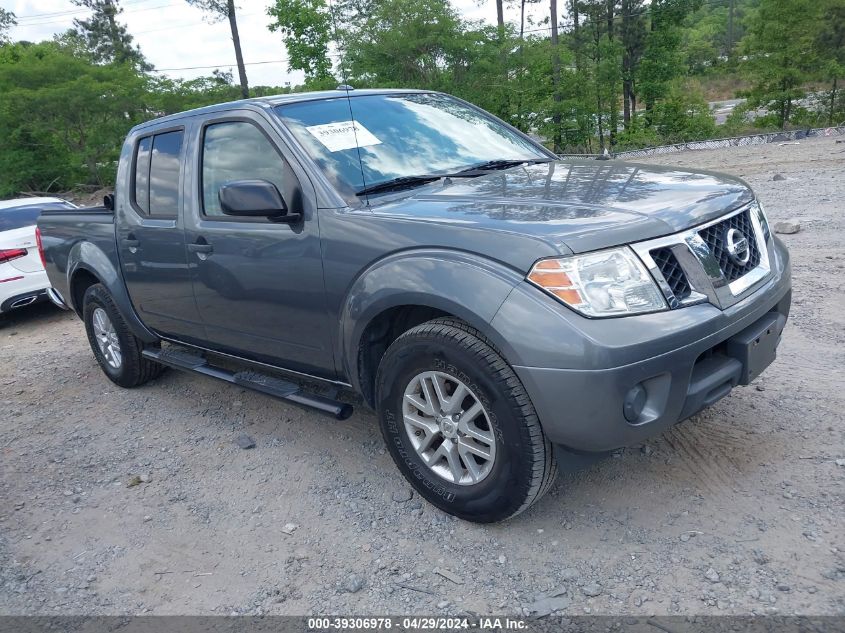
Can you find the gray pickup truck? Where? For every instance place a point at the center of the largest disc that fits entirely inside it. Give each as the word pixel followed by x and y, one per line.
pixel 503 311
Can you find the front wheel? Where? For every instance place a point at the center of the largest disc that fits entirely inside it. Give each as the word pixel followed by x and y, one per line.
pixel 459 424
pixel 116 349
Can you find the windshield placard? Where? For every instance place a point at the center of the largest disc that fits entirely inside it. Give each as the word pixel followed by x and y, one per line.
pixel 343 135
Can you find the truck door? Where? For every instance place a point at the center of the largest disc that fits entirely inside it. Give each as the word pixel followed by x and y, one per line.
pixel 150 238
pixel 258 283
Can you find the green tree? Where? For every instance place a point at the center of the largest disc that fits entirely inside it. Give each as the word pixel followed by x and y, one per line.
pixel 420 43
pixel 704 38
pixel 63 118
pixel 226 10
pixel 7 21
pixel 307 27
pixel 662 60
pixel 602 55
pixel 830 48
pixel 104 38
pixel 683 116
pixel 781 55
pixel 633 34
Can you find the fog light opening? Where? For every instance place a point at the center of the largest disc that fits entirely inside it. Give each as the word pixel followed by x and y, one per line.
pixel 634 403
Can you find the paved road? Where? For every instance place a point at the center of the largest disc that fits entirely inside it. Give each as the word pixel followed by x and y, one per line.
pixel 722 109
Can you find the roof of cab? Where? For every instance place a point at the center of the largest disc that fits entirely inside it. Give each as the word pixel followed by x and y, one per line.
pixel 274 100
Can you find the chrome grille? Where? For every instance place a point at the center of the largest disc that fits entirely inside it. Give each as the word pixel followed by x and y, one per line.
pixel 672 272
pixel 693 266
pixel 714 237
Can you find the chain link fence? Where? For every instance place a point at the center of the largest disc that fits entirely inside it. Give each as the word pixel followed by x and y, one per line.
pixel 717 143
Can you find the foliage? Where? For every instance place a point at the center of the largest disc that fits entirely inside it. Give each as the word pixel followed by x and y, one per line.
pixel 830 45
pixel 638 135
pixel 683 116
pixel 57 118
pixel 615 74
pixel 104 38
pixel 662 60
pixel 7 21
pixel 411 43
pixel 307 28
pixel 780 54
pixel 63 118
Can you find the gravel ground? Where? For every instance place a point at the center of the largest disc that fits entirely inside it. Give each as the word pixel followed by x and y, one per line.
pixel 736 511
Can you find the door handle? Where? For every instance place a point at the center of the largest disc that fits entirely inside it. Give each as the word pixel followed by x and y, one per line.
pixel 131 243
pixel 202 248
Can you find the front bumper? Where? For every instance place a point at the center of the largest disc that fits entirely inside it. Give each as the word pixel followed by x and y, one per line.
pixel 680 358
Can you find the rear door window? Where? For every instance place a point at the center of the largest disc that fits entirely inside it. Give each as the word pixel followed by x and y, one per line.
pixel 142 174
pixel 158 168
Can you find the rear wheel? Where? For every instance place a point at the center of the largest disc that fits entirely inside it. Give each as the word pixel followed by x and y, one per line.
pixel 459 424
pixel 116 349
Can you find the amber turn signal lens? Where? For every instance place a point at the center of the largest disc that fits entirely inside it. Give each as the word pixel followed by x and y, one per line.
pixel 551 277
pixel 567 295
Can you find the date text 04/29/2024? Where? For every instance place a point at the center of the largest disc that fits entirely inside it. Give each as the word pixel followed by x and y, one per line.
pixel 417 623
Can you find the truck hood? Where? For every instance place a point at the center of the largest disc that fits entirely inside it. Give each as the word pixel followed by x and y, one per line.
pixel 580 205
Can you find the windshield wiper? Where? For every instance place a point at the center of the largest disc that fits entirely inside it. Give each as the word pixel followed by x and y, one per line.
pixel 492 165
pixel 398 183
pixel 403 182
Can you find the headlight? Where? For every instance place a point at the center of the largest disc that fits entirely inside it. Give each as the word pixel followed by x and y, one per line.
pixel 606 283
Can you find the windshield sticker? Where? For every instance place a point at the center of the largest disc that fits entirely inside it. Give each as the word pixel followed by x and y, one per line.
pixel 342 135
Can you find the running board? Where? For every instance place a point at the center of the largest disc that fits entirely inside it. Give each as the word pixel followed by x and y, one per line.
pixel 270 385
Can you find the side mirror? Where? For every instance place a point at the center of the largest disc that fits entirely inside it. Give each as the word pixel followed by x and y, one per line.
pixel 108 201
pixel 255 198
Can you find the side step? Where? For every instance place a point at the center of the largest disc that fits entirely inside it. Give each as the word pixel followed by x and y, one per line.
pixel 270 385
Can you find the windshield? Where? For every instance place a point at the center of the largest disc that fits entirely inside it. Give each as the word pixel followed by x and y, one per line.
pixel 396 135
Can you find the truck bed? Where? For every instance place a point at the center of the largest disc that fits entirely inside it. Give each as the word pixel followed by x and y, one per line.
pixel 68 233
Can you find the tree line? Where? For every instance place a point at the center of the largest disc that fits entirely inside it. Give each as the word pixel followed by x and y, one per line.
pixel 586 76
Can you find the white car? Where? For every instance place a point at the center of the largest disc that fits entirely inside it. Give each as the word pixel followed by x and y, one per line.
pixel 22 277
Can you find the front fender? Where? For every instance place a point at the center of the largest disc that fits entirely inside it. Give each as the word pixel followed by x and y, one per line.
pixel 467 286
pixel 88 257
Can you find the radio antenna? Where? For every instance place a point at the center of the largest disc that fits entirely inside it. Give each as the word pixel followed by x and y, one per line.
pixel 346 88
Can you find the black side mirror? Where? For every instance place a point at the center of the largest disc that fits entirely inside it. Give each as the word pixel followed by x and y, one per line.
pixel 255 198
pixel 108 201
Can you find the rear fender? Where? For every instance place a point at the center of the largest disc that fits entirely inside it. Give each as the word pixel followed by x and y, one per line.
pixel 85 256
pixel 461 284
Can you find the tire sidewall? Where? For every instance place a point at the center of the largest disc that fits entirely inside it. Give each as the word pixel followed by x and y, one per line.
pixel 503 491
pixel 94 298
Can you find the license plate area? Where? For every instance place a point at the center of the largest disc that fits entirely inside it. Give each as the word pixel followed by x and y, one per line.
pixel 756 346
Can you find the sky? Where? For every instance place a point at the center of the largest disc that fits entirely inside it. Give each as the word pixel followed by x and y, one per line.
pixel 180 41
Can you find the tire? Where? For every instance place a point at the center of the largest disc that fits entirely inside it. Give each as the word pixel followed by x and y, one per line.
pixel 132 370
pixel 443 354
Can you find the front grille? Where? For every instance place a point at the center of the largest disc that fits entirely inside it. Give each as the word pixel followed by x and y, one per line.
pixel 714 237
pixel 672 272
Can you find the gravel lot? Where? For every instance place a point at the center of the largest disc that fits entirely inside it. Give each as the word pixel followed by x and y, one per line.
pixel 739 510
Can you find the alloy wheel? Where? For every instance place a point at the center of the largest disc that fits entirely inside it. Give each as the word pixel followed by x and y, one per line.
pixel 106 337
pixel 449 427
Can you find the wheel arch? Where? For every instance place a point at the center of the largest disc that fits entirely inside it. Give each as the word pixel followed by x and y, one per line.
pixel 87 265
pixel 407 289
